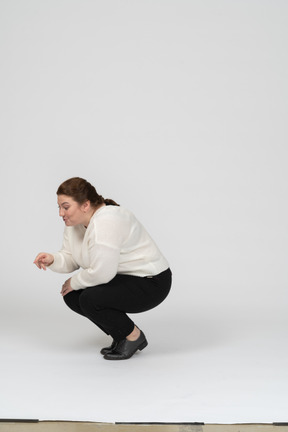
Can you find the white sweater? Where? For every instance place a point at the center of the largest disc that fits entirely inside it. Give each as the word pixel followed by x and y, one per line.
pixel 114 242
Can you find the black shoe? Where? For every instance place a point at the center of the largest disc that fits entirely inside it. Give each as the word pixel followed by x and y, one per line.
pixel 126 349
pixel 110 348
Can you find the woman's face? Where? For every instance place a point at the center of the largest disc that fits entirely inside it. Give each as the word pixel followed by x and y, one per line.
pixel 71 212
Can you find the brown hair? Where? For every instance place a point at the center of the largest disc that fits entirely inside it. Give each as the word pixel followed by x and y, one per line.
pixel 81 190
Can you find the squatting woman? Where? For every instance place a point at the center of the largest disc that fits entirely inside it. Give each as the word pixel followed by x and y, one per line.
pixel 121 270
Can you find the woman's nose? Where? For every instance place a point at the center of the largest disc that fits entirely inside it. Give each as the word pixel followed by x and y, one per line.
pixel 61 212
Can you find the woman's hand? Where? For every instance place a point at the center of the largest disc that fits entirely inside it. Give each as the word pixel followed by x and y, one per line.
pixel 66 287
pixel 43 260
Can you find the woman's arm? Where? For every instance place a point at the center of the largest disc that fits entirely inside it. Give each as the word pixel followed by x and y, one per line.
pixel 104 262
pixel 63 262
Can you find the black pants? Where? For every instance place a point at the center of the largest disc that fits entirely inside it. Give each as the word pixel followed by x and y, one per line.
pixel 106 305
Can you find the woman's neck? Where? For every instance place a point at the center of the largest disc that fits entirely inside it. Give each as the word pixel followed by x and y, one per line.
pixel 91 214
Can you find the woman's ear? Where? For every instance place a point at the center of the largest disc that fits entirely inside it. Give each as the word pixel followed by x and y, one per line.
pixel 86 206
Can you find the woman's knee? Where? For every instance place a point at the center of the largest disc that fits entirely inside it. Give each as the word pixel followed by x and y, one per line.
pixel 72 300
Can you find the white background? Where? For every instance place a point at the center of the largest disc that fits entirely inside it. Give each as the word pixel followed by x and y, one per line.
pixel 178 111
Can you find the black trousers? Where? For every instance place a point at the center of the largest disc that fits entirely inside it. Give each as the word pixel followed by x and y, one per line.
pixel 107 305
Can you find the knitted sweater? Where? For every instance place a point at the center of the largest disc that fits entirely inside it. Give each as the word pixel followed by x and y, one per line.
pixel 114 242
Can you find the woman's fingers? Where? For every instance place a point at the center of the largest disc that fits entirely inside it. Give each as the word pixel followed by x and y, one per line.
pixel 37 263
pixel 43 266
pixel 66 287
pixel 40 261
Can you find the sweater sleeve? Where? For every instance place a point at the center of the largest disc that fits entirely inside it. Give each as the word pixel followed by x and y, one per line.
pixel 104 261
pixel 63 260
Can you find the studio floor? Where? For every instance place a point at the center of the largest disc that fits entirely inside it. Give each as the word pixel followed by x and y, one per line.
pixel 92 427
pixel 207 368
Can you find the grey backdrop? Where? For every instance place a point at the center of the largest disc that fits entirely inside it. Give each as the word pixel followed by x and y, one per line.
pixel 175 109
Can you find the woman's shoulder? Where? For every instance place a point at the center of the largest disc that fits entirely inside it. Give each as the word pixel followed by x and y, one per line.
pixel 112 210
pixel 110 223
pixel 115 214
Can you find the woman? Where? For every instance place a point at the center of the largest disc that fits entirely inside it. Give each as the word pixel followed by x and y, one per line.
pixel 122 270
